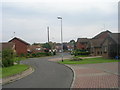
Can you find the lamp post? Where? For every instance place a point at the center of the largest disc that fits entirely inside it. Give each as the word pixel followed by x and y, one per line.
pixel 60 18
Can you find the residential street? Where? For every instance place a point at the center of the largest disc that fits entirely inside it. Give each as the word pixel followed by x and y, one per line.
pixel 46 75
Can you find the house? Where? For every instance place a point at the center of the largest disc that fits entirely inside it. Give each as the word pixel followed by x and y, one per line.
pixel 82 43
pixel 20 45
pixel 111 46
pixel 35 48
pixel 95 47
pixel 102 35
pixel 58 47
pixel 70 47
pixel 106 44
pixel 96 43
pixel 7 45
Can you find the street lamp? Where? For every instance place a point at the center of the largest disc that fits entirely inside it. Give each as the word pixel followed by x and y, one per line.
pixel 60 18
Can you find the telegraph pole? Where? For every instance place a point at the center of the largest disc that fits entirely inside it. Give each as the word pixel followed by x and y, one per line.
pixel 48 33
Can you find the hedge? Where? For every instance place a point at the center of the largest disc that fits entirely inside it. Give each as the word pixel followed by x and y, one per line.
pixel 80 52
pixel 7 58
pixel 40 54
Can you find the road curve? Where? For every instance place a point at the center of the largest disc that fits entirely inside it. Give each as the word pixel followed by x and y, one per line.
pixel 46 75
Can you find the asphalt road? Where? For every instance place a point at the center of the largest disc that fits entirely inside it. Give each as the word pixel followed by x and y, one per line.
pixel 46 75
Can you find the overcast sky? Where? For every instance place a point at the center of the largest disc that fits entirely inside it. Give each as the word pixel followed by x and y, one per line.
pixel 81 19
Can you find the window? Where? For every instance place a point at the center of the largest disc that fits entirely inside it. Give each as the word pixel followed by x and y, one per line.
pixel 105 49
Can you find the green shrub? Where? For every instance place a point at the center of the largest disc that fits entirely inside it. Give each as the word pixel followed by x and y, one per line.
pixel 22 55
pixel 7 58
pixel 28 55
pixel 33 55
pixel 54 53
pixel 40 54
pixel 81 52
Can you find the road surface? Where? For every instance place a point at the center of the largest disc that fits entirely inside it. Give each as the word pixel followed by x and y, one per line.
pixel 46 75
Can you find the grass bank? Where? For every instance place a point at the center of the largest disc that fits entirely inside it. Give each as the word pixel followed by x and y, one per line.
pixel 17 59
pixel 89 61
pixel 9 71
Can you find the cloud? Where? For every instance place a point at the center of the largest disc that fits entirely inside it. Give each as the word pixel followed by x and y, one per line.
pixel 30 20
pixel 60 1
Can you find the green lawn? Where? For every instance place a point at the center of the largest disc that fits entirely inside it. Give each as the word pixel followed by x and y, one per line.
pixel 8 71
pixel 89 61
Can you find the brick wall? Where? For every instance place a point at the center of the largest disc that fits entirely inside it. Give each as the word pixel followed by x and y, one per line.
pixel 20 47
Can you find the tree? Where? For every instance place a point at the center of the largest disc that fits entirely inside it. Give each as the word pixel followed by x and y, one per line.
pixel 72 42
pixel 46 45
pixel 7 58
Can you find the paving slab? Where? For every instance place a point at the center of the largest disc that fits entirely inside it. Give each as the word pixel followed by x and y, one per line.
pixel 102 75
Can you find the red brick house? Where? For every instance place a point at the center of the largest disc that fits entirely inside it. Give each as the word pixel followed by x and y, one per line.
pixel 96 43
pixel 7 45
pixel 104 44
pixel 35 49
pixel 82 43
pixel 111 46
pixel 95 47
pixel 102 35
pixel 20 45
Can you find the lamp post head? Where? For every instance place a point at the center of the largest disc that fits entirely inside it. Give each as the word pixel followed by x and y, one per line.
pixel 59 17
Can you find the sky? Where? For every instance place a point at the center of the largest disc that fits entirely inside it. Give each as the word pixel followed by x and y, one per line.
pixel 29 19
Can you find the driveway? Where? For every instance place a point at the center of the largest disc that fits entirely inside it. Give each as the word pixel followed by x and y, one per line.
pixel 101 75
pixel 47 75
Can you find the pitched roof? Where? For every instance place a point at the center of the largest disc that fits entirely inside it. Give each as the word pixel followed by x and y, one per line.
pixel 96 42
pixel 115 37
pixel 82 40
pixel 34 46
pixel 19 40
pixel 101 35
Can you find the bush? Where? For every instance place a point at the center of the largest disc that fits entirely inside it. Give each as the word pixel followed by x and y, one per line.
pixel 40 54
pixel 33 55
pixel 28 55
pixel 76 59
pixel 22 55
pixel 54 53
pixel 7 58
pixel 81 52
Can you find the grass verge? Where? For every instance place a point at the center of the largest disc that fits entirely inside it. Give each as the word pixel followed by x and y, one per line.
pixel 9 71
pixel 16 59
pixel 89 61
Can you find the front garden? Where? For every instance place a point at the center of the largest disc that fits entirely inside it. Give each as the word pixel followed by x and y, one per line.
pixel 82 57
pixel 12 70
pixel 88 61
pixel 11 62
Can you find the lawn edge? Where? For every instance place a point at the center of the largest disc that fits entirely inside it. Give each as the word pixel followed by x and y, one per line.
pixel 74 75
pixel 68 66
pixel 18 76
